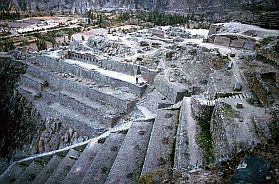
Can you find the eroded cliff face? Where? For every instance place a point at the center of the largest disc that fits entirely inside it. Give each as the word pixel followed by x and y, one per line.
pixel 187 6
pixel 17 126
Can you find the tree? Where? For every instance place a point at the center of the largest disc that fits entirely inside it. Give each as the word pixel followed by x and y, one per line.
pixel 6 45
pixel 41 44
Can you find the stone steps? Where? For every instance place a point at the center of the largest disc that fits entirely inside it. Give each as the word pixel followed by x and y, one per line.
pixel 33 82
pixel 92 109
pixel 91 72
pixel 10 176
pixel 30 173
pixel 63 168
pixel 173 91
pixel 159 155
pixel 82 165
pixel 128 163
pixel 47 170
pixel 235 96
pixel 68 165
pixel 104 160
pixel 187 154
pixel 85 125
pixel 117 98
pixel 120 159
pixel 30 93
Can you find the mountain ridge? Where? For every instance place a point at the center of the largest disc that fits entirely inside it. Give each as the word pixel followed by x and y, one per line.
pixel 184 6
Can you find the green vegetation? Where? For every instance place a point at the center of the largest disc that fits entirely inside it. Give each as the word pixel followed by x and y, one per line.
pixel 6 45
pixel 99 19
pixel 204 140
pixel 230 112
pixel 146 19
pixel 256 87
pixel 162 19
pixel 41 44
pixel 172 143
pixel 7 15
pixel 146 179
pixel 273 127
pixel 259 132
pixel 51 36
pixel 204 137
pixel 156 18
pixel 160 175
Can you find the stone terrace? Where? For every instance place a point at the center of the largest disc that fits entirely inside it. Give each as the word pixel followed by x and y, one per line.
pixel 159 141
pixel 84 94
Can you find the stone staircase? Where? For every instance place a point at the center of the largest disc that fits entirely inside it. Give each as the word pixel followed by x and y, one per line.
pixel 81 95
pixel 209 102
pixel 187 152
pixel 135 152
pixel 142 149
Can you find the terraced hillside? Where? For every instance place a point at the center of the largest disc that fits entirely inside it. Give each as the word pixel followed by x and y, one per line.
pixel 180 121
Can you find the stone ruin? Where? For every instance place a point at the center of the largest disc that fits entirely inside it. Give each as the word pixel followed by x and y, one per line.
pixel 125 122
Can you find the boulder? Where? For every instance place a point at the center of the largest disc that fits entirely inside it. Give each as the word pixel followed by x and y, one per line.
pixel 251 170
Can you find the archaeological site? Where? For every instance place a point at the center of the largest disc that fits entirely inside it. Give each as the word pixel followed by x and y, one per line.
pixel 139 92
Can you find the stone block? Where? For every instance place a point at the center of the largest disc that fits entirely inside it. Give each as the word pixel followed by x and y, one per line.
pixel 211 39
pixel 238 43
pixel 173 92
pixel 212 29
pixel 222 40
pixel 249 45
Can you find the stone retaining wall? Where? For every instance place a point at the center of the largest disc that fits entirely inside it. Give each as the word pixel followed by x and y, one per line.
pixel 118 66
pixel 254 83
pixel 173 92
pixel 239 41
pixel 63 67
pixel 59 83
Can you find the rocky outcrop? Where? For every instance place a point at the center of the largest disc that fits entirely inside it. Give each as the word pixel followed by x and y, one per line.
pixel 236 35
pixel 233 10
pixel 235 130
pixel 18 120
pixel 268 51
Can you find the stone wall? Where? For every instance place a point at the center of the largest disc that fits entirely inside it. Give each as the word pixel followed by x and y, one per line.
pixel 60 83
pixel 229 40
pixel 113 65
pixel 24 130
pixel 254 82
pixel 173 92
pixel 63 67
